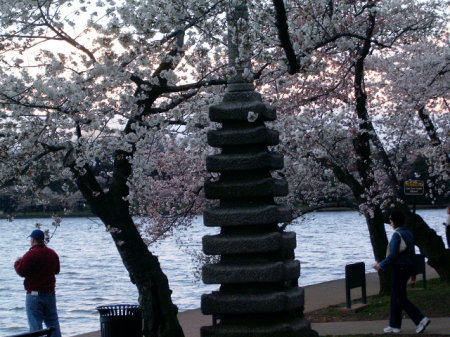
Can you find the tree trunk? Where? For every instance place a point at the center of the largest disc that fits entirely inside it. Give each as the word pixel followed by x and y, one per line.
pixel 364 163
pixel 375 224
pixel 159 313
pixel 379 241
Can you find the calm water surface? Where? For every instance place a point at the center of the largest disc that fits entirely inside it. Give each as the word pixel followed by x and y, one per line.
pixel 92 273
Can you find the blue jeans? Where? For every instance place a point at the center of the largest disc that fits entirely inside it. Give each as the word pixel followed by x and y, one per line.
pixel 42 308
pixel 399 299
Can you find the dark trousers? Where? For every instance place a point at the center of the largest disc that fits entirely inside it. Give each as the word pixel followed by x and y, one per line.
pixel 399 300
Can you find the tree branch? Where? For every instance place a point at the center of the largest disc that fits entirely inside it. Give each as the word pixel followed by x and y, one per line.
pixel 341 204
pixel 64 36
pixel 190 24
pixel 171 105
pixel 178 88
pixel 11 36
pixel 342 175
pixel 26 167
pixel 283 35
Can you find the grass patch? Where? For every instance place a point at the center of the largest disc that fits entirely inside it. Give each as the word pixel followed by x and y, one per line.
pixel 390 335
pixel 434 301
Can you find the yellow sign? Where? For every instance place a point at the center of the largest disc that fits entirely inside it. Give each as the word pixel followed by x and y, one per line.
pixel 414 187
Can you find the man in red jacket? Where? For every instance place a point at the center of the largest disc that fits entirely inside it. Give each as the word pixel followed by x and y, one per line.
pixel 39 267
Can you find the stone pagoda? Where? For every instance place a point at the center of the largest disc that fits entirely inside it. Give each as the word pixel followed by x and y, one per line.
pixel 257 272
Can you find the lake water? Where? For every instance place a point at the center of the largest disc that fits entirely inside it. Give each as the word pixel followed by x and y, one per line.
pixel 92 273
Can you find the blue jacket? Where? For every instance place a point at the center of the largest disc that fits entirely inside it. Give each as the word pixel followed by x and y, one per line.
pixel 394 257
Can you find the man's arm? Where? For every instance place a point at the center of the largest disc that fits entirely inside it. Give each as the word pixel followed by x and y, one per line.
pixel 23 265
pixel 394 247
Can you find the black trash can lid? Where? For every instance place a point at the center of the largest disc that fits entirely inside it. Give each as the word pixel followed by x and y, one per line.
pixel 119 310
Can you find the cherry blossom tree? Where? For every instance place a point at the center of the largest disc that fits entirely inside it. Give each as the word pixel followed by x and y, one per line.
pixel 98 92
pixel 345 58
pixel 113 95
pixel 419 87
pixel 346 106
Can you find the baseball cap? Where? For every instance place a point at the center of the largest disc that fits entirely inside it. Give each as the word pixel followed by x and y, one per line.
pixel 37 234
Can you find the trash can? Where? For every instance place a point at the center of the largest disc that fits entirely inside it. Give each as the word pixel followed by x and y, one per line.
pixel 123 320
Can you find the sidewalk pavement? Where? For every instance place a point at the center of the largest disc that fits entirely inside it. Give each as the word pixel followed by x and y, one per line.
pixel 320 296
pixel 438 326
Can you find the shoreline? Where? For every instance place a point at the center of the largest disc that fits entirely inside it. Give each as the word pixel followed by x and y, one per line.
pixel 45 215
pixel 317 296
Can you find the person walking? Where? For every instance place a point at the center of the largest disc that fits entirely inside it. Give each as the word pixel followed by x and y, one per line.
pixel 401 259
pixel 39 267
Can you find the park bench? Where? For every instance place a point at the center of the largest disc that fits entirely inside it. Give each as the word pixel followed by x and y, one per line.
pixel 40 333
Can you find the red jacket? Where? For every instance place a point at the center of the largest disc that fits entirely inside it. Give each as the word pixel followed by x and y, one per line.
pixel 39 267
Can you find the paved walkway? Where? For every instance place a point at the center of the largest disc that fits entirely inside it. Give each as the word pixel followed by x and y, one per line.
pixel 438 326
pixel 320 296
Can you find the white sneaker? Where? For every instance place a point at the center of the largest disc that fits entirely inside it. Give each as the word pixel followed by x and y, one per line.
pixel 423 324
pixel 391 329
